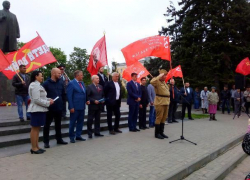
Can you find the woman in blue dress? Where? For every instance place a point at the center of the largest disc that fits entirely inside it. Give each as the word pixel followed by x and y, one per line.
pixel 197 99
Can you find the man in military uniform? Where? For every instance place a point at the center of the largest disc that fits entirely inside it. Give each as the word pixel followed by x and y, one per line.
pixel 161 102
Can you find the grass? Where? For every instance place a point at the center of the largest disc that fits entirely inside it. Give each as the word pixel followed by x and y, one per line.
pixel 198 116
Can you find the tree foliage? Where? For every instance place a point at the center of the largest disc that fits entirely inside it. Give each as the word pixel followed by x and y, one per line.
pixel 209 38
pixel 78 61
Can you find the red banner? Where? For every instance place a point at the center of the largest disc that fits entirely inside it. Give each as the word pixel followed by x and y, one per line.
pixel 243 67
pixel 176 72
pixel 98 57
pixel 137 68
pixel 33 55
pixel 158 46
pixel 4 63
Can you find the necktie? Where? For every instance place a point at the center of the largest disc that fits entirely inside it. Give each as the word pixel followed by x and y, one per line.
pixel 80 84
pixel 136 86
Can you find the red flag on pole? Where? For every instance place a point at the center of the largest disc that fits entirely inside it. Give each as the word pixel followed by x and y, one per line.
pixel 4 63
pixel 98 56
pixel 34 54
pixel 137 68
pixel 176 72
pixel 243 67
pixel 158 46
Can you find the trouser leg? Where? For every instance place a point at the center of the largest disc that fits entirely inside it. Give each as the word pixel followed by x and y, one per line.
pixel 46 128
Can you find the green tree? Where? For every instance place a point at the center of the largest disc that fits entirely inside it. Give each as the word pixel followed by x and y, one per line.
pixel 209 39
pixel 79 60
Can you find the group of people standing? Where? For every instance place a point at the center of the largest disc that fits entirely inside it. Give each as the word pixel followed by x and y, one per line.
pixel 46 100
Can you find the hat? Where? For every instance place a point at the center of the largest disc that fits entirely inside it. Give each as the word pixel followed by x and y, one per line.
pixel 61 65
pixel 163 71
pixel 213 87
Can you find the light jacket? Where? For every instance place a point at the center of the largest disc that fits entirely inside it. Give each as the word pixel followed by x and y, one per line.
pixel 39 101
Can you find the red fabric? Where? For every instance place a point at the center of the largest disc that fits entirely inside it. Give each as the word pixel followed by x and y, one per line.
pixel 34 54
pixel 243 67
pixel 135 68
pixel 176 72
pixel 4 63
pixel 98 57
pixel 158 46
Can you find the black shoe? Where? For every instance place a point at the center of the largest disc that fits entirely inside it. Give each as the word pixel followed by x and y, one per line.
pixel 72 141
pixel 191 119
pixel 142 128
pixel 174 121
pixel 132 130
pixel 137 129
pixel 80 139
pixel 90 136
pixel 158 136
pixel 46 145
pixel 118 131
pixel 28 118
pixel 161 130
pixel 170 122
pixel 62 142
pixel 42 150
pixel 21 119
pixel 146 127
pixel 112 132
pixel 99 135
pixel 36 152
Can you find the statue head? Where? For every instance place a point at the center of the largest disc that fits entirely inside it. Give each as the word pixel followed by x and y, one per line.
pixel 6 5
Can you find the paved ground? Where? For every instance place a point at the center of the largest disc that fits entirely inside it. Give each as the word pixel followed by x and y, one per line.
pixel 241 171
pixel 126 156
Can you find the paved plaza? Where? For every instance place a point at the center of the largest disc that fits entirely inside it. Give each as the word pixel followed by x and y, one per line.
pixel 130 155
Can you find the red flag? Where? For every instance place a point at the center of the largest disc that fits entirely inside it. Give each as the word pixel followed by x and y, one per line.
pixel 33 55
pixel 137 68
pixel 158 46
pixel 176 72
pixel 243 67
pixel 98 57
pixel 4 63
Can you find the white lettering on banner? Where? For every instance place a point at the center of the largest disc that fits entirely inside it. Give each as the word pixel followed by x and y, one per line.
pixel 25 62
pixel 40 50
pixel 34 51
pixel 165 43
pixel 15 65
pixel 45 48
pixel 140 74
pixel 31 56
pixel 19 62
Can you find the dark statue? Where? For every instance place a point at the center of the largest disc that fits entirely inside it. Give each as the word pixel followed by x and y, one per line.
pixel 9 29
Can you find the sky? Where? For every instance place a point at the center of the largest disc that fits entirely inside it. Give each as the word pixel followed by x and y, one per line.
pixel 67 24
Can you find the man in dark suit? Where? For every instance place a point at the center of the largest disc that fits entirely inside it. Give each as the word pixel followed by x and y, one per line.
pixel 174 99
pixel 76 93
pixel 112 91
pixel 96 97
pixel 133 99
pixel 143 104
pixel 21 84
pixel 187 99
pixel 65 79
pixel 102 81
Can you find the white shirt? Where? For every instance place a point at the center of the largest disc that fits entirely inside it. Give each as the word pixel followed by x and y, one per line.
pixel 102 76
pixel 117 87
pixel 188 90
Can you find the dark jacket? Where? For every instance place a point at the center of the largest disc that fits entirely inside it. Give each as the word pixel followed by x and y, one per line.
pixel 176 94
pixel 21 89
pixel 225 95
pixel 110 93
pixel 94 94
pixel 144 95
pixel 133 93
pixel 101 82
pixel 53 90
pixel 189 97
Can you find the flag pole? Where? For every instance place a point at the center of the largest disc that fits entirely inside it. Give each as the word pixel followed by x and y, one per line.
pixel 11 65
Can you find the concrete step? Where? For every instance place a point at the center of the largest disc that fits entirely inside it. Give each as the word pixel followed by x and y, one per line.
pixel 188 169
pixel 17 129
pixel 221 166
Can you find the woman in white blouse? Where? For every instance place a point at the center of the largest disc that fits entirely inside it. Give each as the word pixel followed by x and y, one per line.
pixel 38 107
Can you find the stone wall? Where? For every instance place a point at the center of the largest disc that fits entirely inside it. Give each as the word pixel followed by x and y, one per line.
pixel 7 91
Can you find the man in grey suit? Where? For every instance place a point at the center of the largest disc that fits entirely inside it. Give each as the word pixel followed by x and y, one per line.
pixel 96 97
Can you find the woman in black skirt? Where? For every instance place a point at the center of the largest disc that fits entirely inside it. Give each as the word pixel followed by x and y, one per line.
pixel 38 107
